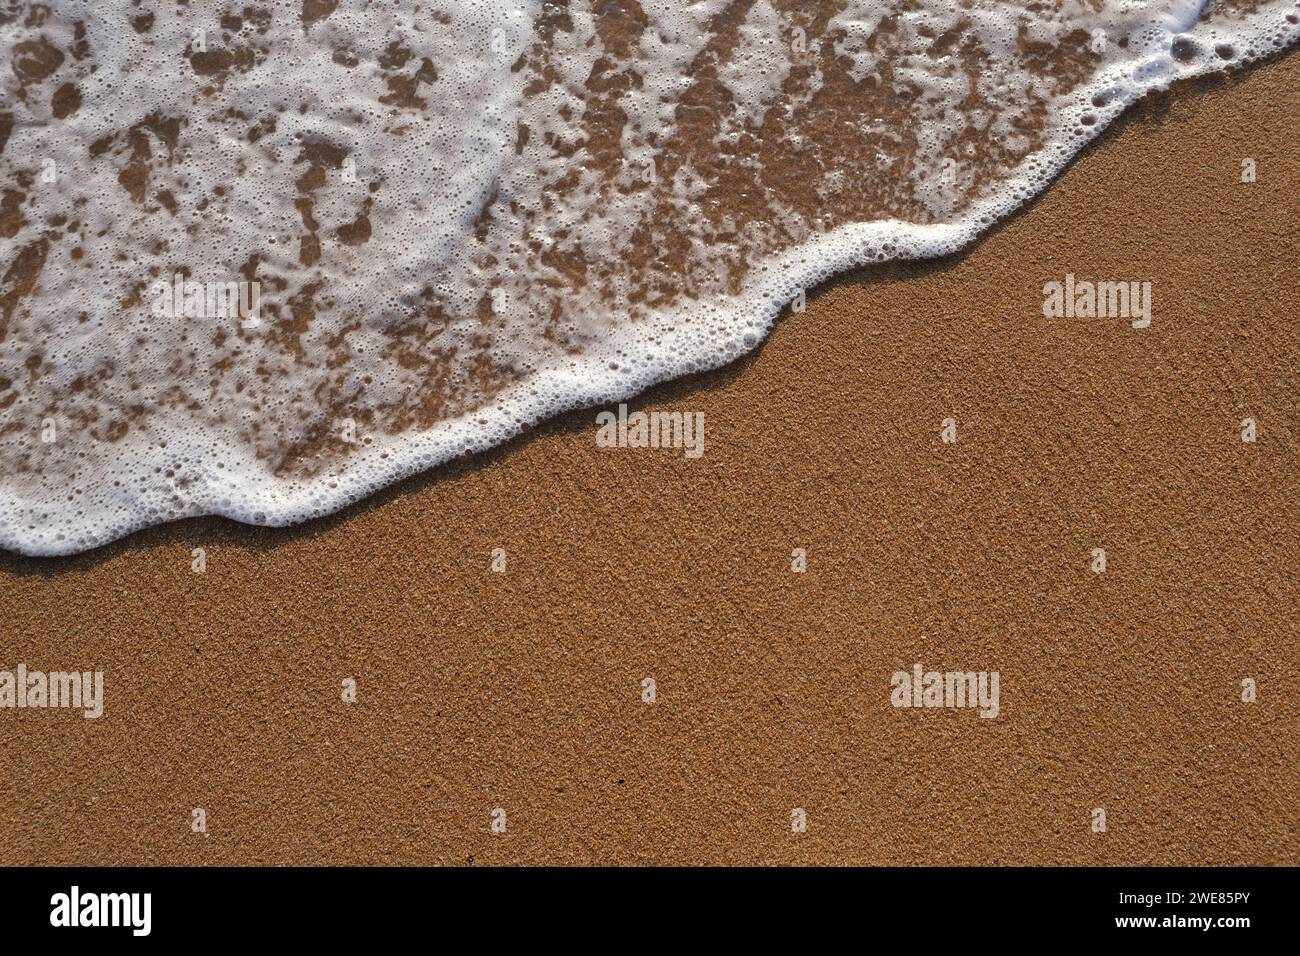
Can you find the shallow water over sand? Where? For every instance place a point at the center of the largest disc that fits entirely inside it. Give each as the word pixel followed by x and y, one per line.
pixel 262 260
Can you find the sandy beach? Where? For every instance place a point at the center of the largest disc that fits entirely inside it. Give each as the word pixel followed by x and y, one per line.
pixel 522 691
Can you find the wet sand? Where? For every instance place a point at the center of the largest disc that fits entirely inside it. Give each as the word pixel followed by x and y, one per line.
pixel 523 690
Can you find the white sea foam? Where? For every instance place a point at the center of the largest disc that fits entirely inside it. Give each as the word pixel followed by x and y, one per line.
pixel 464 217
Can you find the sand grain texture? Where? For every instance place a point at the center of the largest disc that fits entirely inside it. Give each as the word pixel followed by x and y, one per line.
pixel 522 690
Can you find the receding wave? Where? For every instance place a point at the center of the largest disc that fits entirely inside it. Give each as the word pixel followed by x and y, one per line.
pixel 260 260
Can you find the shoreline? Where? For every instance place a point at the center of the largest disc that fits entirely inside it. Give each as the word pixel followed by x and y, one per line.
pixel 848 250
pixel 523 690
pixel 1151 104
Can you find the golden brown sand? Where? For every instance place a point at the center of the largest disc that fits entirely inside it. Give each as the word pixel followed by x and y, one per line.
pixel 522 690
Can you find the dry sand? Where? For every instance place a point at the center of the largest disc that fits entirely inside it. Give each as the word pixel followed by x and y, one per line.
pixel 522 690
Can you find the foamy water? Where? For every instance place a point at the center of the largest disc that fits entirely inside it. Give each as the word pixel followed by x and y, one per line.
pixel 451 220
